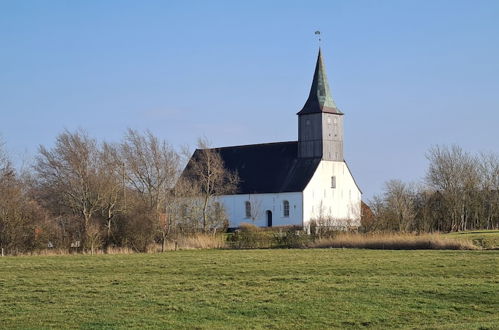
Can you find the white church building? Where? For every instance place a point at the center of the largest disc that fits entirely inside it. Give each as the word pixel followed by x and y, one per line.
pixel 294 183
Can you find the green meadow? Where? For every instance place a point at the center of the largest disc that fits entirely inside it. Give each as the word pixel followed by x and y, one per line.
pixel 487 239
pixel 282 288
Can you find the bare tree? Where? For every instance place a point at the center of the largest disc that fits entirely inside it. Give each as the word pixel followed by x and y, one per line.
pixel 399 198
pixel 112 180
pixel 489 187
pixel 183 208
pixel 21 218
pixel 461 193
pixel 6 168
pixel 6 177
pixel 256 210
pixel 69 174
pixel 453 172
pixel 151 168
pixel 207 168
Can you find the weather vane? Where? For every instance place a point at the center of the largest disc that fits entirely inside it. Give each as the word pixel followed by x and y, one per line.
pixel 318 34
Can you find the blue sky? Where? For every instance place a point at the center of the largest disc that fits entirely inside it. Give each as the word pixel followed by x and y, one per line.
pixel 407 74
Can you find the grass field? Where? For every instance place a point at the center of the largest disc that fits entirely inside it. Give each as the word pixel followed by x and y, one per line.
pixel 312 288
pixel 487 239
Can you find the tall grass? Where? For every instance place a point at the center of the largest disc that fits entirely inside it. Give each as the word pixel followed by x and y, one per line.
pixel 191 242
pixel 393 241
pixel 196 241
pixel 200 241
pixel 62 252
pixel 252 237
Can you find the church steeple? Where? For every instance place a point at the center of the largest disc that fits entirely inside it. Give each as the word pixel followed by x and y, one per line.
pixel 320 98
pixel 320 122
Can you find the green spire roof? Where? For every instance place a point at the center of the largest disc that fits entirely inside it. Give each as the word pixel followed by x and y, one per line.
pixel 320 98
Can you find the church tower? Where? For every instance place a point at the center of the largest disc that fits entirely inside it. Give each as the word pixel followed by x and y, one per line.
pixel 320 122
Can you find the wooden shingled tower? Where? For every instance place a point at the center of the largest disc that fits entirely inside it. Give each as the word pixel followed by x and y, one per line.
pixel 320 122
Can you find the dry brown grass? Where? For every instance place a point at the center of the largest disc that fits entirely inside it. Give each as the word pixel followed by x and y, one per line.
pixel 196 241
pixel 393 241
pixel 62 252
pixel 47 252
pixel 202 241
pixel 378 241
pixel 117 250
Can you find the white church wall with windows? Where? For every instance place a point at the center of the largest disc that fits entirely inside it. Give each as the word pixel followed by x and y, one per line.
pixel 284 209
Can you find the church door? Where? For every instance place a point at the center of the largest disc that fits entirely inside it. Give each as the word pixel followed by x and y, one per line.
pixel 269 218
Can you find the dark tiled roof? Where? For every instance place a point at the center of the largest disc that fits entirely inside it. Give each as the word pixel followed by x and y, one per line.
pixel 268 167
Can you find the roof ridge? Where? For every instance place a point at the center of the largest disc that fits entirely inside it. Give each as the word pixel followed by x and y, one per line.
pixel 250 145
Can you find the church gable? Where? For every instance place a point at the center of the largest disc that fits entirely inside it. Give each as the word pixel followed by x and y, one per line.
pixel 333 194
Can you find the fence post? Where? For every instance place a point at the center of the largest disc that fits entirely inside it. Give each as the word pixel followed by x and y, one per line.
pixel 2 253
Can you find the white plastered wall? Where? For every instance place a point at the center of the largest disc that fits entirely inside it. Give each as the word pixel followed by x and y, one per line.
pixel 342 204
pixel 235 208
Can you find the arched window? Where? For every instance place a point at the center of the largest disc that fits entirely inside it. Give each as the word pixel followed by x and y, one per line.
pixel 247 206
pixel 285 208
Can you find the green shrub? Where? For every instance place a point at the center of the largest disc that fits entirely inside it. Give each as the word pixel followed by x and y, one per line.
pixel 249 236
pixel 291 238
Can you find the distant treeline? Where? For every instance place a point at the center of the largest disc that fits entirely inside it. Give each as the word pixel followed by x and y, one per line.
pixel 85 195
pixel 460 192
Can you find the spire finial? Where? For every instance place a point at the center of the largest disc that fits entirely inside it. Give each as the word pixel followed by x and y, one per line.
pixel 319 38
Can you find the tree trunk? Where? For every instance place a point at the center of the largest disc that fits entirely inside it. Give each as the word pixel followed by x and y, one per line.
pixel 205 206
pixel 108 234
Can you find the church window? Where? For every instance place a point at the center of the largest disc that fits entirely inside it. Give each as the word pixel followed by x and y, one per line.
pixel 307 122
pixel 285 208
pixel 333 182
pixel 247 206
